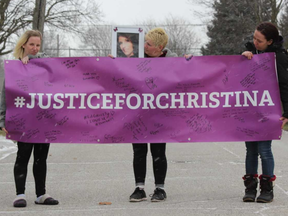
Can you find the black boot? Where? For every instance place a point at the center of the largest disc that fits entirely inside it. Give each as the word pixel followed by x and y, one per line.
pixel 266 186
pixel 251 183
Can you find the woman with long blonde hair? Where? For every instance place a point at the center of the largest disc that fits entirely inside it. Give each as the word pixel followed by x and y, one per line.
pixel 26 48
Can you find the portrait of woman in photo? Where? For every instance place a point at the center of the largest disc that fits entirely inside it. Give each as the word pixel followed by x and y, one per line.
pixel 127 45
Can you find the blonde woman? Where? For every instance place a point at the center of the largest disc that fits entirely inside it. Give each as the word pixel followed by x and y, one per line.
pixel 26 48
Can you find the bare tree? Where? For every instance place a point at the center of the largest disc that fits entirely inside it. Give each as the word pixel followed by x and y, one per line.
pixel 97 40
pixel 283 25
pixel 182 35
pixel 71 15
pixel 203 9
pixel 49 44
pixel 67 15
pixel 14 16
pixel 276 6
pixel 268 10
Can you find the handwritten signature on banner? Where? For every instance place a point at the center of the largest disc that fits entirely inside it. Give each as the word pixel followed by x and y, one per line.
pixel 103 100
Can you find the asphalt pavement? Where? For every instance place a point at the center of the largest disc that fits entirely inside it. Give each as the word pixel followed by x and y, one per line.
pixel 202 179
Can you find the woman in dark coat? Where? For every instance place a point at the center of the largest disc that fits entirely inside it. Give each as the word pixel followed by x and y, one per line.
pixel 266 39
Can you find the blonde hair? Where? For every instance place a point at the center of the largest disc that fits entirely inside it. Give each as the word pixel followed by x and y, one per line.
pixel 19 50
pixel 158 36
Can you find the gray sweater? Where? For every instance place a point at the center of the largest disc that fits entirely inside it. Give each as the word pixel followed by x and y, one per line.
pixel 169 53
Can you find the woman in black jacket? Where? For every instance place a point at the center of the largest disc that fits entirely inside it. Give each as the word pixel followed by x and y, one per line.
pixel 266 39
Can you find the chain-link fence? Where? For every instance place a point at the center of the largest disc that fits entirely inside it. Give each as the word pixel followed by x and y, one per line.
pixel 71 52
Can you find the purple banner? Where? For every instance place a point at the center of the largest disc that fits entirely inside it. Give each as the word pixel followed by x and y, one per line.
pixel 123 100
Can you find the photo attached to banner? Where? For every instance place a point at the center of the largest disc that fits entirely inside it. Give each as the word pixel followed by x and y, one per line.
pixel 128 41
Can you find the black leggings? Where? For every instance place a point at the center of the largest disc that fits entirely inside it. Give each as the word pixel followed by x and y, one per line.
pixel 159 161
pixel 39 166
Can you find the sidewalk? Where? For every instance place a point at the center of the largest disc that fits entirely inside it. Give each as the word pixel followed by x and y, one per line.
pixel 202 179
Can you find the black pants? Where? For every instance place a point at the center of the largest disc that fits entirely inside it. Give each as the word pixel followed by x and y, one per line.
pixel 39 166
pixel 159 161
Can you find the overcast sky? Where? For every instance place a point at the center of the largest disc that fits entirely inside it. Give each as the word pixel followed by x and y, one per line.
pixel 128 12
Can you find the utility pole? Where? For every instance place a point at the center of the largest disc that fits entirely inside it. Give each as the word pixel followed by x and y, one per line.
pixel 58 45
pixel 39 16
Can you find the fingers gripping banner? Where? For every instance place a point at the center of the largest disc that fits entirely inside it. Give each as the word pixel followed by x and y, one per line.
pixel 122 100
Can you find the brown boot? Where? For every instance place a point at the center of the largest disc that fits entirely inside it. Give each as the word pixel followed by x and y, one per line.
pixel 251 183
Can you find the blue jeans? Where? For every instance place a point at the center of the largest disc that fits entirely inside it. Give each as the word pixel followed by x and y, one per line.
pixel 262 148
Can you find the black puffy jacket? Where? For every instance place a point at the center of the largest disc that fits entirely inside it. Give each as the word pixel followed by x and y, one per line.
pixel 282 68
